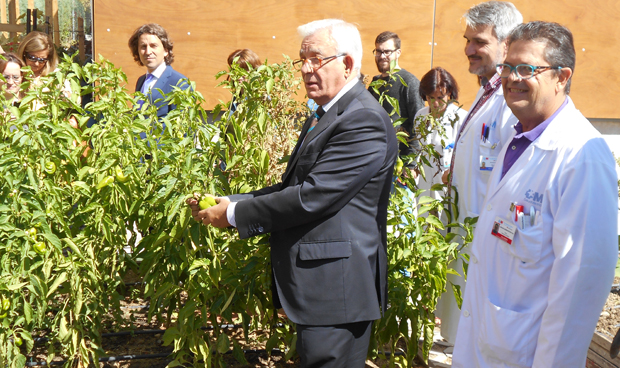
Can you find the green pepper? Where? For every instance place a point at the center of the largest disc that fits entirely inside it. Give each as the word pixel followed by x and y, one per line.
pixel 399 166
pixel 18 341
pixel 39 247
pixel 105 182
pixel 207 202
pixel 32 232
pixel 6 304
pixel 119 175
pixel 50 167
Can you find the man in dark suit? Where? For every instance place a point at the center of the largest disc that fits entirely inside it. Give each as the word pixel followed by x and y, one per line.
pixel 327 218
pixel 151 47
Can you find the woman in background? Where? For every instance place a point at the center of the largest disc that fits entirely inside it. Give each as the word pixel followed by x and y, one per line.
pixel 246 60
pixel 11 69
pixel 440 90
pixel 37 51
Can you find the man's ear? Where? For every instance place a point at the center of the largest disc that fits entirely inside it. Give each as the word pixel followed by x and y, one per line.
pixel 503 46
pixel 563 78
pixel 348 65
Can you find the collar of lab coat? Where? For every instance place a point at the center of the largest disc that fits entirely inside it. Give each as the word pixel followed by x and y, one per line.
pixel 559 129
pixel 497 96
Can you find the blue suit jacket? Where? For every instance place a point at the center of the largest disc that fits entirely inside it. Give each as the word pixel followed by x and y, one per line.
pixel 327 218
pixel 169 79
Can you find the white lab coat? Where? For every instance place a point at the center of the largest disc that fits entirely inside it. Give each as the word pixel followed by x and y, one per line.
pixel 535 303
pixel 468 178
pixel 453 115
pixel 471 183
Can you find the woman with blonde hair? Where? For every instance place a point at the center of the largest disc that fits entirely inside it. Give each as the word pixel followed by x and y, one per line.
pixel 37 51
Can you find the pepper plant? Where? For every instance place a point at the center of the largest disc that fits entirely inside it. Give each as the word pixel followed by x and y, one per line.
pixel 73 200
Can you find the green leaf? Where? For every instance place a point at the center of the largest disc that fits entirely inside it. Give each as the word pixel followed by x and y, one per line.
pixel 230 298
pixel 171 334
pixel 59 280
pixel 63 332
pixel 269 85
pixel 433 220
pixel 28 312
pixel 272 342
pixel 223 343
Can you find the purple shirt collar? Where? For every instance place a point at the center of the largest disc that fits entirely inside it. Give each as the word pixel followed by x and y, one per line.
pixel 537 131
pixel 522 141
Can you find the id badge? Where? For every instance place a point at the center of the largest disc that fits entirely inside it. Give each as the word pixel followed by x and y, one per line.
pixel 487 162
pixel 504 230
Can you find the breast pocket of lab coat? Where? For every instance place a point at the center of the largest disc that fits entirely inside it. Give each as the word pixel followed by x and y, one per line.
pixel 527 244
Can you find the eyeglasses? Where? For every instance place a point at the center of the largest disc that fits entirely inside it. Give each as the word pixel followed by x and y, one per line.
pixel 316 62
pixel 35 59
pixel 387 53
pixel 14 78
pixel 522 71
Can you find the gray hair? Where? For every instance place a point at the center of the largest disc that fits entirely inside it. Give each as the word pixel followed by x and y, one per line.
pixel 559 46
pixel 502 15
pixel 345 35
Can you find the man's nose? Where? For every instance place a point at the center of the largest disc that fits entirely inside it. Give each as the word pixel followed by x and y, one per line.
pixel 469 49
pixel 306 68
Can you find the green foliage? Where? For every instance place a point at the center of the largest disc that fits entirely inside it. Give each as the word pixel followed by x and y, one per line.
pixel 420 248
pixel 195 276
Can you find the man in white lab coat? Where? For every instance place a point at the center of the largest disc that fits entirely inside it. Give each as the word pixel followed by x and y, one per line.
pixel 545 247
pixel 485 129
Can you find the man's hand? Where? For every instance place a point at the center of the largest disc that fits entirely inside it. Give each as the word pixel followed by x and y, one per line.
pixel 216 215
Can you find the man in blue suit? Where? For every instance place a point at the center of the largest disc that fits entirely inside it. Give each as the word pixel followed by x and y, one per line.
pixel 327 218
pixel 151 47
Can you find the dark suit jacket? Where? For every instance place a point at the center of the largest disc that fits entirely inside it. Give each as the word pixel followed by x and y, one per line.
pixel 169 79
pixel 327 218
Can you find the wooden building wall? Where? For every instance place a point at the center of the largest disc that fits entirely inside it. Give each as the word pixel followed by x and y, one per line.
pixel 205 32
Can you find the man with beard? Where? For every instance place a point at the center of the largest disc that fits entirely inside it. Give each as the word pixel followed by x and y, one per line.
pixel 387 51
pixel 536 291
pixel 485 130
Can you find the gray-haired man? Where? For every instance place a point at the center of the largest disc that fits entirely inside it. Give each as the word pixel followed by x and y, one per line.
pixel 327 218
pixel 536 290
pixel 485 129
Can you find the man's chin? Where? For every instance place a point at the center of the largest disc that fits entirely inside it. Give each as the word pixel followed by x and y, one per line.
pixel 383 69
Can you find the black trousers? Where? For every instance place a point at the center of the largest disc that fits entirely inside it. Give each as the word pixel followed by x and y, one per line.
pixel 339 346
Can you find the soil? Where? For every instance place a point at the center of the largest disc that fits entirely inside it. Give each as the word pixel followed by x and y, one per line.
pixel 609 322
pixel 135 313
pixel 149 344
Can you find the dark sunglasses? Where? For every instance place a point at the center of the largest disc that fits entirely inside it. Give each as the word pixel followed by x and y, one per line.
pixel 35 59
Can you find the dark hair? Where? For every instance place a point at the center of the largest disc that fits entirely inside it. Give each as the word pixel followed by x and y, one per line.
pixel 155 30
pixel 559 46
pixel 438 78
pixel 10 57
pixel 386 36
pixel 246 59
